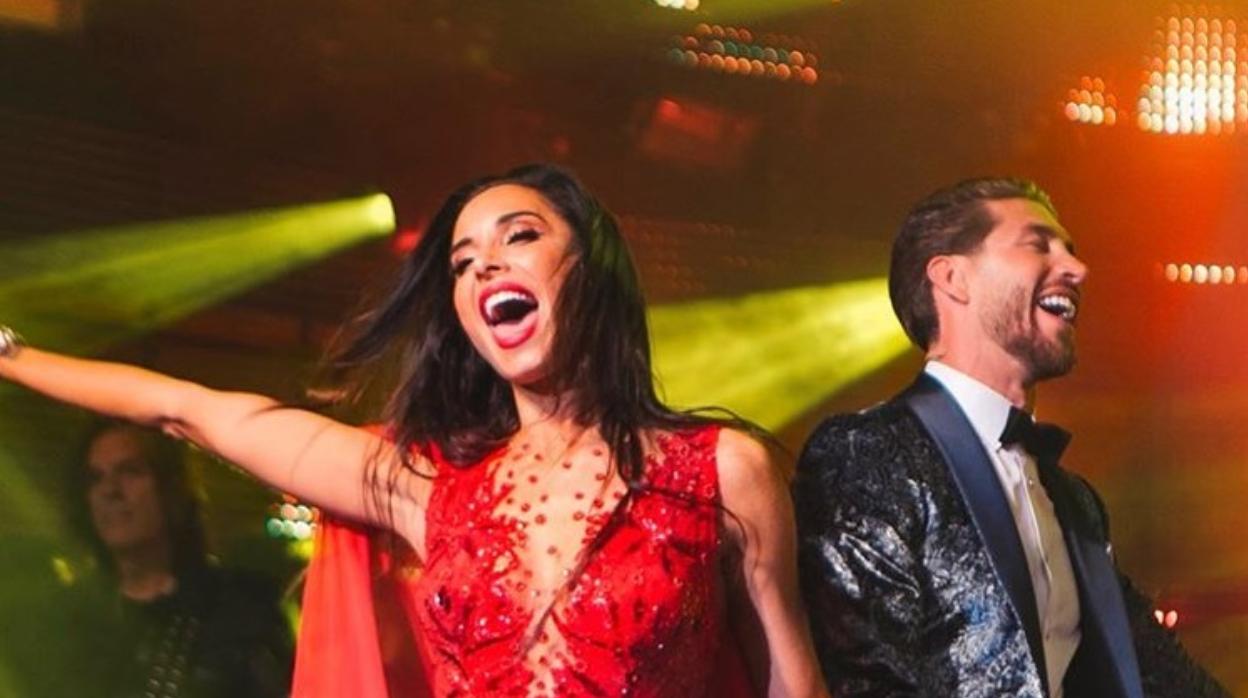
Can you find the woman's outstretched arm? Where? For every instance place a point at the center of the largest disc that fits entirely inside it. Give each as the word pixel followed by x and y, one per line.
pixel 758 520
pixel 327 463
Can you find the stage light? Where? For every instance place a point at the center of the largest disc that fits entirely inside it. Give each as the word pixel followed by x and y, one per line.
pixel 291 520
pixel 773 356
pixel 1205 274
pixel 734 51
pixel 405 240
pixel 1166 619
pixel 1091 104
pixel 82 291
pixel 689 5
pixel 1195 83
pixel 64 572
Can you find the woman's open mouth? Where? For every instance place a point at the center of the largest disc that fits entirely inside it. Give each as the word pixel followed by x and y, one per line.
pixel 510 311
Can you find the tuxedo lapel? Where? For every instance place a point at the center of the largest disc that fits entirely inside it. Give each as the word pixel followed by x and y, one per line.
pixel 1103 615
pixel 977 481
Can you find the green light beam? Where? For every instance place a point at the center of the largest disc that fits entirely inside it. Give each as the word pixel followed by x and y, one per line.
pixel 772 356
pixel 81 291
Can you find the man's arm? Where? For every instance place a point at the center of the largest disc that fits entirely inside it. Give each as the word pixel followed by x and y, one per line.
pixel 858 570
pixel 1166 669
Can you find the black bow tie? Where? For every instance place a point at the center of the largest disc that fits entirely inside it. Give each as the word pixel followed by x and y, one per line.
pixel 1045 442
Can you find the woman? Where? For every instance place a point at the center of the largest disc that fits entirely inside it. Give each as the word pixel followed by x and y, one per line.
pixel 575 536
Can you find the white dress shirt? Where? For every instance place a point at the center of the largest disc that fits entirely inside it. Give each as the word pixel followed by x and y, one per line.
pixel 1057 596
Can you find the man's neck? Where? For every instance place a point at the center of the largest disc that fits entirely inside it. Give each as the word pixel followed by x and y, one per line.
pixel 145 573
pixel 1001 373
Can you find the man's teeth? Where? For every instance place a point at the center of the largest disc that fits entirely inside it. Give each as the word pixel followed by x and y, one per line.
pixel 1062 306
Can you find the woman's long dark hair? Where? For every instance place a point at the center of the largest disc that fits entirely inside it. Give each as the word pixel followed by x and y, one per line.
pixel 449 397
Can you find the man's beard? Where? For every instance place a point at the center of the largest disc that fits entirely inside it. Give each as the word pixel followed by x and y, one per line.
pixel 1011 324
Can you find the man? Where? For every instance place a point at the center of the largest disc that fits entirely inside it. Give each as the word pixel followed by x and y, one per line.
pixel 943 550
pixel 163 619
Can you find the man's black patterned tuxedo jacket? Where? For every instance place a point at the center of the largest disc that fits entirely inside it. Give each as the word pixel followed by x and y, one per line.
pixel 915 577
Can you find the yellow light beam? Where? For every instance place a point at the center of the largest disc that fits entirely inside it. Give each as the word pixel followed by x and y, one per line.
pixel 772 356
pixel 81 291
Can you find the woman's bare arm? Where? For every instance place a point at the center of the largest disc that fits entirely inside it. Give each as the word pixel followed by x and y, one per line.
pixel 315 458
pixel 759 523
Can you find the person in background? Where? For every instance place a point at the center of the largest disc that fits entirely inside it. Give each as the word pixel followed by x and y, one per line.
pixel 161 618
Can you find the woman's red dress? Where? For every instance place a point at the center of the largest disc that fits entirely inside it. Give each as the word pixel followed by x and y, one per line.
pixel 642 616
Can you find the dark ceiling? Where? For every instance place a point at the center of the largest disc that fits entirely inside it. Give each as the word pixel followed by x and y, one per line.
pixel 415 97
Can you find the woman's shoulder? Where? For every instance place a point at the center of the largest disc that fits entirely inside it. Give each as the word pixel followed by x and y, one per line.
pixel 745 461
pixel 730 456
pixel 737 447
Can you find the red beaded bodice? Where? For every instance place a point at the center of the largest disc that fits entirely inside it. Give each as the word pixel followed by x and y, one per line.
pixel 503 611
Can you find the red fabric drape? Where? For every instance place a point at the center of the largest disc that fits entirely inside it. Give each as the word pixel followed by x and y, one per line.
pixel 358 636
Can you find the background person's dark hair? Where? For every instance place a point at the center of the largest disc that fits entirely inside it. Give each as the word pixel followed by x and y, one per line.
pixel 950 221
pixel 177 491
pixel 450 398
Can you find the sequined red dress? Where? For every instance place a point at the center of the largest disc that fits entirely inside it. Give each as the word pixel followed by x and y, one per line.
pixel 499 609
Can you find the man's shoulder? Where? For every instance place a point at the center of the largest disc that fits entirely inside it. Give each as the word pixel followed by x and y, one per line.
pixel 877 464
pixel 885 440
pixel 888 422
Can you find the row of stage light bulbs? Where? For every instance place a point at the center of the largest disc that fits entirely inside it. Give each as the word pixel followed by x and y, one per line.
pixel 1201 274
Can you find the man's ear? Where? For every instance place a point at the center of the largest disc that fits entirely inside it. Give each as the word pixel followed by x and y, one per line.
pixel 947 274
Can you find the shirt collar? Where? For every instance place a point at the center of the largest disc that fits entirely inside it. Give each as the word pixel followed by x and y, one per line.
pixel 986 409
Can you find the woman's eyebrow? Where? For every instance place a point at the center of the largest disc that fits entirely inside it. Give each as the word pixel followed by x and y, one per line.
pixel 509 217
pixel 463 242
pixel 502 220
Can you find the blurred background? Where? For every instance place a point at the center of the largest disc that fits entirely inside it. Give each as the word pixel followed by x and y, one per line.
pixel 210 188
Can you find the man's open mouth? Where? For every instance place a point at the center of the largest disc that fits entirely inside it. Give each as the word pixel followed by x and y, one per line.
pixel 1061 304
